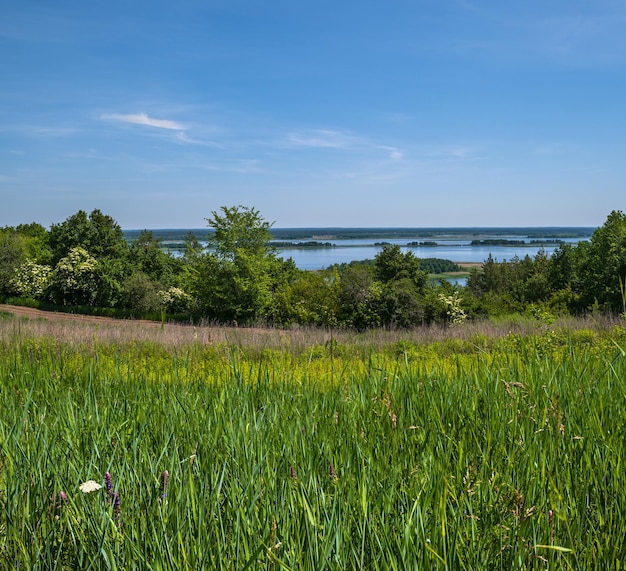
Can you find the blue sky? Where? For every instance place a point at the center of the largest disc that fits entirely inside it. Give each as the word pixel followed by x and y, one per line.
pixel 397 113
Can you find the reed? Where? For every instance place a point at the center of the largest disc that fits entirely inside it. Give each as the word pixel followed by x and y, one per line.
pixel 475 452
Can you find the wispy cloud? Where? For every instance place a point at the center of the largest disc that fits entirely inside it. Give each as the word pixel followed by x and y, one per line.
pixel 343 140
pixel 393 153
pixel 39 131
pixel 242 166
pixel 176 131
pixel 182 137
pixel 322 138
pixel 144 119
pixel 454 153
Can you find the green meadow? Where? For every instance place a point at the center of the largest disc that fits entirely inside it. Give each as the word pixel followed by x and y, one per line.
pixel 462 451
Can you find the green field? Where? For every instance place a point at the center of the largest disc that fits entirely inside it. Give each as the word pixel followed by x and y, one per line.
pixel 471 452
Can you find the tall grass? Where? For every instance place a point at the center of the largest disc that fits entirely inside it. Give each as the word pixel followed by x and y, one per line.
pixel 461 454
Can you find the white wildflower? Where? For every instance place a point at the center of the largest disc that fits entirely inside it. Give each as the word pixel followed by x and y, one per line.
pixel 89 486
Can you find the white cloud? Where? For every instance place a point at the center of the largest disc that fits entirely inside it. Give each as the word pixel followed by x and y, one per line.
pixel 184 138
pixel 333 139
pixel 393 153
pixel 242 166
pixel 456 153
pixel 321 138
pixel 144 119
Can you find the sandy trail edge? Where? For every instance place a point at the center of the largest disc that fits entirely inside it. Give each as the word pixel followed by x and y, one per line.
pixel 32 313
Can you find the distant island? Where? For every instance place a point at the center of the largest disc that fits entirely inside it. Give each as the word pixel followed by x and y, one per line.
pixel 416 237
pixel 297 245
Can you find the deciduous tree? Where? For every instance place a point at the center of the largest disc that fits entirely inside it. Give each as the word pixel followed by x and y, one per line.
pixel 98 234
pixel 234 281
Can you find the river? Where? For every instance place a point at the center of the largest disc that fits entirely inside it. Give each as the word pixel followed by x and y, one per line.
pixel 345 251
pixel 344 245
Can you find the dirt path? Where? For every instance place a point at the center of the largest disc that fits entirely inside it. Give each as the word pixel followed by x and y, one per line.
pixel 72 326
pixel 31 313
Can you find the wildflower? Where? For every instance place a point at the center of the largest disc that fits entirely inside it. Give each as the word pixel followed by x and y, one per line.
pixel 333 474
pixel 551 524
pixel 89 486
pixel 60 503
pixel 108 482
pixel 117 502
pixel 57 504
pixel 165 483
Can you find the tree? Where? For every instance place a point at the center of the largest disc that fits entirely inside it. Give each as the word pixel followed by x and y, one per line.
pixel 360 297
pixel 12 256
pixel 97 233
pixel 193 248
pixel 140 293
pixel 402 286
pixel 606 264
pixel 403 304
pixel 147 256
pixel 392 264
pixel 18 245
pixel 234 281
pixel 31 280
pixel 239 230
pixel 75 279
pixel 36 241
pixel 102 239
pixel 308 298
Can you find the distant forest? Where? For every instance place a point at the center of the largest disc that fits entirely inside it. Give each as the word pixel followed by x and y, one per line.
pixel 415 236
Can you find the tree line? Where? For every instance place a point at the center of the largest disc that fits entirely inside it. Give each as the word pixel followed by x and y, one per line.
pixel 85 263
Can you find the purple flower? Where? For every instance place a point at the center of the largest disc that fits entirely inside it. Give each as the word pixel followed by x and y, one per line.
pixel 61 500
pixel 551 524
pixel 333 474
pixel 117 504
pixel 108 483
pixel 165 483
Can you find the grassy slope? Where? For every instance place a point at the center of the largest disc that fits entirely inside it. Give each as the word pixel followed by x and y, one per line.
pixel 479 453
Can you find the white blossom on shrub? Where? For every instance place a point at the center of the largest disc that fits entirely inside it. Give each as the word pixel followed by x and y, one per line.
pixel 174 299
pixel 454 310
pixel 30 280
pixel 74 280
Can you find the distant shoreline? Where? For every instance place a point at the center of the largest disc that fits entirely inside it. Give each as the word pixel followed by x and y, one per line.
pixel 379 234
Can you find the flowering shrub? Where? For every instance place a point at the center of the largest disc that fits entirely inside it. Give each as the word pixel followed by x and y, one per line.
pixel 174 299
pixel 30 280
pixel 74 280
pixel 454 311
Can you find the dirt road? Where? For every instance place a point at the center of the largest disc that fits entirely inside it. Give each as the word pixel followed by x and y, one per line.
pixel 31 313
